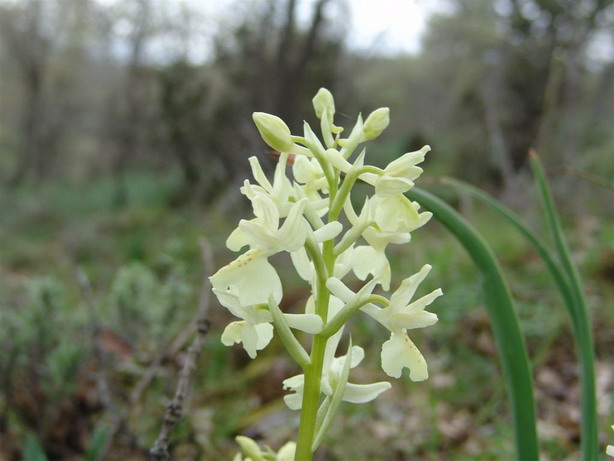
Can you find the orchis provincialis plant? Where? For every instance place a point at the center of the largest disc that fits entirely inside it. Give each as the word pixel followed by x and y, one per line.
pixel 312 218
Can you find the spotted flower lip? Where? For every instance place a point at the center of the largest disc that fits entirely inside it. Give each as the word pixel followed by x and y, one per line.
pixel 399 316
pixel 250 277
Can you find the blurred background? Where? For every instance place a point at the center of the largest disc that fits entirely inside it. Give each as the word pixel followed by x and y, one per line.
pixel 125 128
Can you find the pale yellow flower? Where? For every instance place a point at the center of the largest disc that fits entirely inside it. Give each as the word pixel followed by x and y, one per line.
pixel 332 369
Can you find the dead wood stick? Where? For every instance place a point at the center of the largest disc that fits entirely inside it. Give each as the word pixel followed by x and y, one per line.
pixel 174 409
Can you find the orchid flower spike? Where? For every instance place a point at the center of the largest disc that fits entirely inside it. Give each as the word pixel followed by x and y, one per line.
pixel 306 211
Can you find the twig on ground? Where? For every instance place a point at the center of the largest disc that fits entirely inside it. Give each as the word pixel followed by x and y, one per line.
pixel 174 410
pixel 169 351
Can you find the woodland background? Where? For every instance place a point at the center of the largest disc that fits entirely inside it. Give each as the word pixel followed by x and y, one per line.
pixel 120 152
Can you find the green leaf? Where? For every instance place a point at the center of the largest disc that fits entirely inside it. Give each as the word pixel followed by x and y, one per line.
pixel 580 316
pixel 510 344
pixel 571 293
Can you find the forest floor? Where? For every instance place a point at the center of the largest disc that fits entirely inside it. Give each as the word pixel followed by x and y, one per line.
pixel 70 365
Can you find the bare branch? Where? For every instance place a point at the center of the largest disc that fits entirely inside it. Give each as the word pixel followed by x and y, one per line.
pixel 174 410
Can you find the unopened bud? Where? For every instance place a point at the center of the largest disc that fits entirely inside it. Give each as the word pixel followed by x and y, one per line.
pixel 323 100
pixel 273 131
pixel 376 122
pixel 249 448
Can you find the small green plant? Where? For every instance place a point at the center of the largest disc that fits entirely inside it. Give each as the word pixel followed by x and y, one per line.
pixel 145 309
pixel 40 364
pixel 313 219
pixel 34 349
pixel 48 352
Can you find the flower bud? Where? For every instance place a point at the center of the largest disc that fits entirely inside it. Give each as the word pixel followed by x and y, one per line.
pixel 273 131
pixel 249 448
pixel 376 122
pixel 323 100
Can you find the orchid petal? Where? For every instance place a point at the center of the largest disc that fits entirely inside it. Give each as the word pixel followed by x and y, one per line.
pixel 250 277
pixel 309 323
pixel 400 352
pixel 328 232
pixel 253 337
pixel 361 393
pixel 408 287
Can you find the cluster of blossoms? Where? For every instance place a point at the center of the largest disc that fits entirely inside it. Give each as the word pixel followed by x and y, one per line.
pixel 312 217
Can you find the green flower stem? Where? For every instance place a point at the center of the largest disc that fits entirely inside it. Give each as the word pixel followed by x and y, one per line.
pixel 311 400
pixel 318 262
pixel 332 327
pixel 313 218
pixel 317 150
pixel 326 422
pixel 350 237
pixel 379 299
pixel 313 373
pixel 346 188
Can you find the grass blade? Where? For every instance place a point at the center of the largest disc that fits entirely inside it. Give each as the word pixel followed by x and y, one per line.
pixel 582 330
pixel 560 278
pixel 510 344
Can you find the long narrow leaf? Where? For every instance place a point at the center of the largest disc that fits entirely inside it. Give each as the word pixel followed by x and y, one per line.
pixel 544 252
pixel 510 344
pixel 582 332
pixel 589 436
